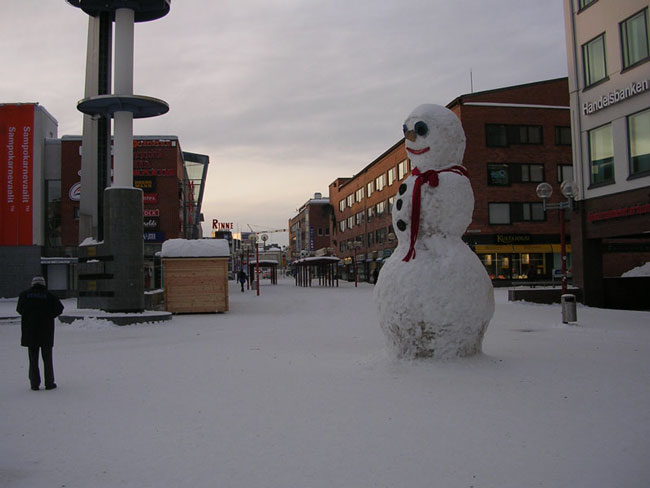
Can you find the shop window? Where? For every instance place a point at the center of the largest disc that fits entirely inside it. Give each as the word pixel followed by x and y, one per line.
pixel 634 39
pixel 595 63
pixel 564 172
pixel 53 225
pixel 639 142
pixel 562 136
pixel 502 135
pixel 601 155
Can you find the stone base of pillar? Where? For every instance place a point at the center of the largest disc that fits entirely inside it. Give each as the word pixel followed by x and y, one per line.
pixel 111 275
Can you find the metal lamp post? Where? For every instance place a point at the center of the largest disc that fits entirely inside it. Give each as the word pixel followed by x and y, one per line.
pixel 544 191
pixel 253 239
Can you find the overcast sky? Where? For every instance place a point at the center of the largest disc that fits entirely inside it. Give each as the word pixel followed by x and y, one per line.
pixel 285 96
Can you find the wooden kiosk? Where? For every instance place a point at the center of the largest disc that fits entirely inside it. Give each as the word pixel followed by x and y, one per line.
pixel 195 275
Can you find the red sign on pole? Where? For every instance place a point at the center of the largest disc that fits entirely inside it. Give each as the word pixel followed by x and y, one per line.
pixel 16 169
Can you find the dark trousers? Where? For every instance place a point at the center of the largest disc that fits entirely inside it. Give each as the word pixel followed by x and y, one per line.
pixel 48 367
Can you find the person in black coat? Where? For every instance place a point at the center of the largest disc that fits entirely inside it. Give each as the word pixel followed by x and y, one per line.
pixel 38 309
pixel 242 277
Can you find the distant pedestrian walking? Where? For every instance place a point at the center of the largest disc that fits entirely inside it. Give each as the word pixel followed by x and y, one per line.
pixel 38 309
pixel 242 277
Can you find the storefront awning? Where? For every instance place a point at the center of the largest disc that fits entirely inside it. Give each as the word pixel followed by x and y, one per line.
pixel 519 248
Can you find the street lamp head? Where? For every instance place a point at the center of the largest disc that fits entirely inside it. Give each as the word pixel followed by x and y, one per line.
pixel 544 191
pixel 252 237
pixel 569 189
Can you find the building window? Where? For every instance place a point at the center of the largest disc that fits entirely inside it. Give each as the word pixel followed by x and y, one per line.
pixel 562 136
pixel 585 3
pixel 502 135
pixel 327 231
pixel 350 222
pixel 370 188
pixel 381 208
pixel 508 213
pixel 499 213
pixel 350 199
pixel 505 174
pixel 634 39
pixel 342 225
pixel 371 238
pixel 342 205
pixel 342 246
pixel 601 155
pixel 392 175
pixel 391 202
pixel 320 231
pixel 359 195
pixel 380 182
pixel 638 130
pixel 595 64
pixel 359 218
pixel 371 212
pixel 402 169
pixel 381 235
pixel 564 172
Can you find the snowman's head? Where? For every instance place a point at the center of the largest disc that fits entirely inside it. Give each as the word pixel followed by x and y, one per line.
pixel 434 138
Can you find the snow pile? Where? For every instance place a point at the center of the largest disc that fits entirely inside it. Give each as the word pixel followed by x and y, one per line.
pixel 293 388
pixel 195 248
pixel 438 302
pixel 639 271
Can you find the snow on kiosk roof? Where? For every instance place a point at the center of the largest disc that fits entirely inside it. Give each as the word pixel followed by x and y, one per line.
pixel 195 248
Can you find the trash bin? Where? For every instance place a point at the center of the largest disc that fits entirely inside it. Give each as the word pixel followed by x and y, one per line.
pixel 569 313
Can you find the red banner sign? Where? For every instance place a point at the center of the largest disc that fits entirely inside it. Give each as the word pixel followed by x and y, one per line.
pixel 619 212
pixel 16 168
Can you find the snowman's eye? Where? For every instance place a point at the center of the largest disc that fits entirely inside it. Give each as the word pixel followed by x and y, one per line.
pixel 405 129
pixel 421 128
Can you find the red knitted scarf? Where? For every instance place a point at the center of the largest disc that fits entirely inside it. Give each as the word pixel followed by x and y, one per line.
pixel 432 178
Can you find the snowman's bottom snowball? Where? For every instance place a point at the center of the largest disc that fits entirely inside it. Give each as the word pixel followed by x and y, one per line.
pixel 437 305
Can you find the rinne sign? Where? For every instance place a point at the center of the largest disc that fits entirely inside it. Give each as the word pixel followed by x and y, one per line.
pixel 216 225
pixel 616 96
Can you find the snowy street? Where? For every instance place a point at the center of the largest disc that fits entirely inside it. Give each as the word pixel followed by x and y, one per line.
pixel 294 389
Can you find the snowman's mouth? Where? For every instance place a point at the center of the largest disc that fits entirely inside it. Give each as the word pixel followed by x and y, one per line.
pixel 417 151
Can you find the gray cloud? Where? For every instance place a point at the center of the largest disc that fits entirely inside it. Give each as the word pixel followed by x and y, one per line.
pixel 289 93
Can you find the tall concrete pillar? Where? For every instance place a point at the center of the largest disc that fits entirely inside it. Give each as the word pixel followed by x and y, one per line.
pixel 111 272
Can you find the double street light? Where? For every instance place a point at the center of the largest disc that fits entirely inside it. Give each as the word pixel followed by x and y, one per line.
pixel 544 191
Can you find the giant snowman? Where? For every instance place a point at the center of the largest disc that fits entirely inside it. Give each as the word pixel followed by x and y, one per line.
pixel 434 296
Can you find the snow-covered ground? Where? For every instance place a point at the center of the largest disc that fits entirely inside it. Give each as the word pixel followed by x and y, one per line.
pixel 294 389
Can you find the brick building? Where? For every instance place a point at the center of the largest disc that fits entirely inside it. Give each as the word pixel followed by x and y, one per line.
pixel 309 229
pixel 362 233
pixel 517 137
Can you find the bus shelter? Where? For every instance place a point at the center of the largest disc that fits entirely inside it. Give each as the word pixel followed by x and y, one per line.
pixel 323 268
pixel 270 265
